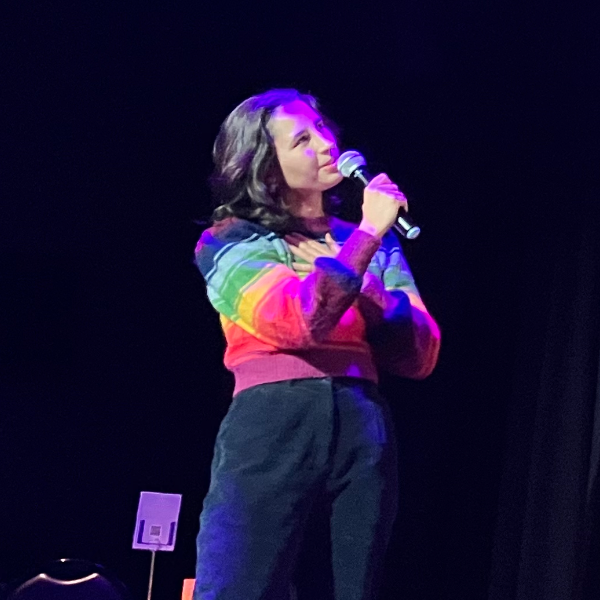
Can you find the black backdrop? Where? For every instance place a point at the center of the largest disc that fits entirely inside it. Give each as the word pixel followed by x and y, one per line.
pixel 111 378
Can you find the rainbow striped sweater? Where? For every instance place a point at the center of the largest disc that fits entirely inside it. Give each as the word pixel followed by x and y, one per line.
pixel 352 315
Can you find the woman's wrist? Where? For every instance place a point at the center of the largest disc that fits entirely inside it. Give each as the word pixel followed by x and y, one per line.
pixel 371 229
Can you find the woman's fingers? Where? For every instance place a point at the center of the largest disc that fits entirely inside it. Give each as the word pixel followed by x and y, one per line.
pixel 386 186
pixel 331 243
pixel 303 267
pixel 381 201
pixel 300 252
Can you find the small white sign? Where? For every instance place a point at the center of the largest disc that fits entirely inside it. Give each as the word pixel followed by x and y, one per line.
pixel 156 523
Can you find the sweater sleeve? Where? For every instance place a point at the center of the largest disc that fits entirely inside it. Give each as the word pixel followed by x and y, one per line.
pixel 249 282
pixel 404 336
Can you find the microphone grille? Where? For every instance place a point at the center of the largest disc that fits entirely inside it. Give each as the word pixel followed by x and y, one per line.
pixel 349 161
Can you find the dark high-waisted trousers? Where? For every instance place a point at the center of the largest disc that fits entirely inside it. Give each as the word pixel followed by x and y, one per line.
pixel 304 487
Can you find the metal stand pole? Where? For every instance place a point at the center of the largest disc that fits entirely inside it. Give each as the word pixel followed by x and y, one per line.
pixel 151 574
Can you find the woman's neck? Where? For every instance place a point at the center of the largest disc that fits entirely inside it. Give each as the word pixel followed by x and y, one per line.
pixel 306 206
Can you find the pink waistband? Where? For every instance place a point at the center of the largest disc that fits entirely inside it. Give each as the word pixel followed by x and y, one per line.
pixel 267 368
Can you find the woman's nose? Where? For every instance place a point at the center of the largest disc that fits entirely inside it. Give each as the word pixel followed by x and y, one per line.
pixel 326 142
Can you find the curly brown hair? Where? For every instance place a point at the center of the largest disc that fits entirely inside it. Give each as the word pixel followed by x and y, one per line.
pixel 247 181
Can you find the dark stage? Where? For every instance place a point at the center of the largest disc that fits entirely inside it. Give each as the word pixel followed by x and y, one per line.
pixel 111 376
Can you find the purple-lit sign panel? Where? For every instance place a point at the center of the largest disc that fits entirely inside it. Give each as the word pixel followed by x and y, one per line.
pixel 156 522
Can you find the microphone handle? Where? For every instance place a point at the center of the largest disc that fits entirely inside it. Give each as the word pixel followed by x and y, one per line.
pixel 405 226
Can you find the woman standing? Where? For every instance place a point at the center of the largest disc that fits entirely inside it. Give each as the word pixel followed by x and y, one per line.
pixel 311 308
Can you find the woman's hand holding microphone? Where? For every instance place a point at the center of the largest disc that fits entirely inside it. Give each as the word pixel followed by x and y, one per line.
pixel 381 202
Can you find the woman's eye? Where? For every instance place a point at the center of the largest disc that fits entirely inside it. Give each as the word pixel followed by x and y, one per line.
pixel 303 138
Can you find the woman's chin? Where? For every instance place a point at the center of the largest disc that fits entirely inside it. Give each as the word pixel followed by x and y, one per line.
pixel 331 180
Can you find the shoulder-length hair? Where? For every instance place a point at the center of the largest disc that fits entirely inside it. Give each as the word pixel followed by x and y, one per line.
pixel 247 181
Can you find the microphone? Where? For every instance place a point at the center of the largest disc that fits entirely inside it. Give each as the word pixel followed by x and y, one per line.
pixel 352 164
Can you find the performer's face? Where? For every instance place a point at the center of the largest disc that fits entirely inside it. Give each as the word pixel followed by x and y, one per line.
pixel 306 148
